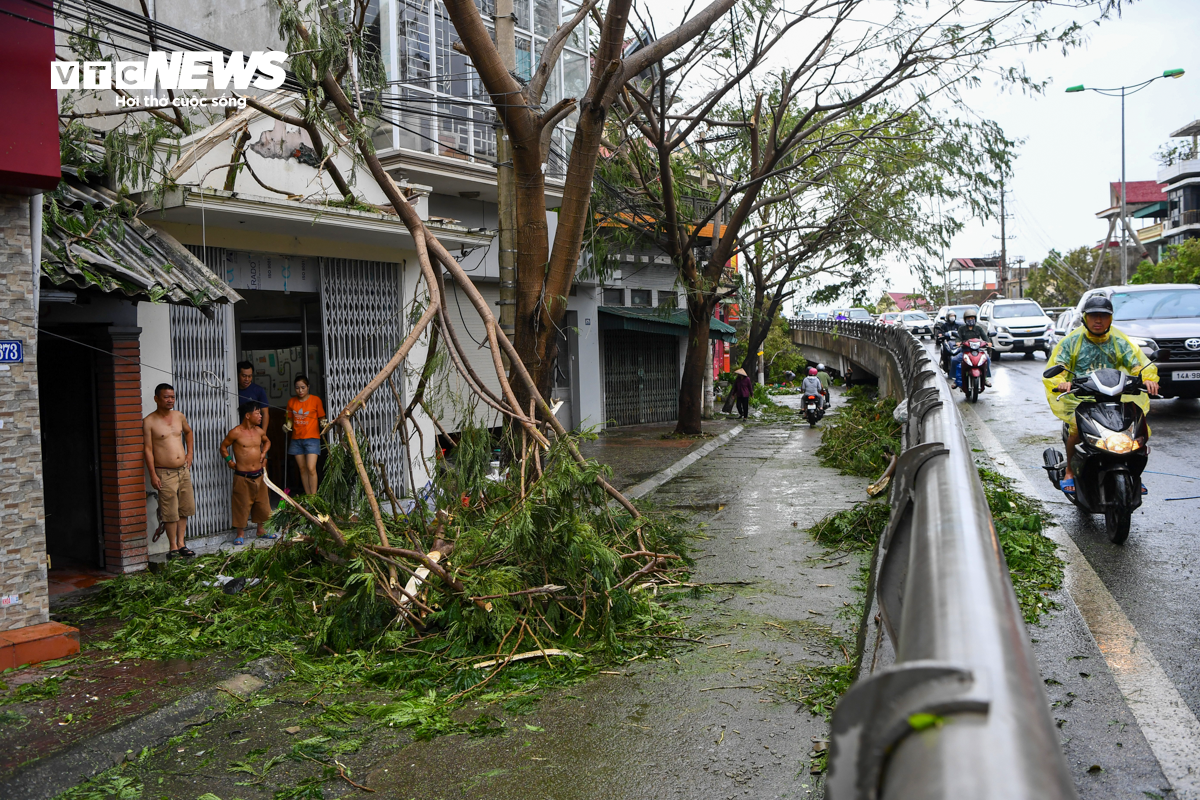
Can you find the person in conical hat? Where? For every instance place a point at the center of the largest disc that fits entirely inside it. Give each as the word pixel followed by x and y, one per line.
pixel 742 389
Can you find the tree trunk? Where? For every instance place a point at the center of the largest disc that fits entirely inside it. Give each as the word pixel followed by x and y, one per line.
pixel 691 387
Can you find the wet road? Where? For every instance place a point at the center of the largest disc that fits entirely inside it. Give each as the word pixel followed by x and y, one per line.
pixel 1150 594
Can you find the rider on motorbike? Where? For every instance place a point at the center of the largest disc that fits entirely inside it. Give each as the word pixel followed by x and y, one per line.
pixel 970 329
pixel 1094 345
pixel 948 325
pixel 824 378
pixel 812 385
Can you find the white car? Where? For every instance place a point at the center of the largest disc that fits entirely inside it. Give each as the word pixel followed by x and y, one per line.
pixel 1016 326
pixel 918 323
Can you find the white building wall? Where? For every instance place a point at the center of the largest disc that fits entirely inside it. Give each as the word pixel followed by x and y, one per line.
pixel 591 379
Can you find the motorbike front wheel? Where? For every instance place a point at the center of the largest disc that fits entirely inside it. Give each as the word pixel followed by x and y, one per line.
pixel 1119 512
pixel 972 389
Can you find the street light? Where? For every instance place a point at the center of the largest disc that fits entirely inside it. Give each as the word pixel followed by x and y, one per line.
pixel 1121 91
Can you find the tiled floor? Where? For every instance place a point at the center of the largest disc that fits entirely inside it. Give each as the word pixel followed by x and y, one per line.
pixel 72 577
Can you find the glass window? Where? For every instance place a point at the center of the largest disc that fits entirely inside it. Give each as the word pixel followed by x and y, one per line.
pixel 639 298
pixel 614 297
pixel 578 37
pixel 1159 304
pixel 485 133
pixel 915 315
pixel 545 16
pixel 415 127
pixel 575 79
pixel 453 130
pixel 521 14
pixel 413 40
pixel 668 299
pixel 524 57
pixel 453 68
pixel 1010 310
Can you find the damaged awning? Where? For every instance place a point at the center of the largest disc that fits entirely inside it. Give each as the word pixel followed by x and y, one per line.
pixel 673 322
pixel 91 240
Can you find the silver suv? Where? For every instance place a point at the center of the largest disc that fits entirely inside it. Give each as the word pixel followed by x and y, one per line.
pixel 1016 326
pixel 1162 318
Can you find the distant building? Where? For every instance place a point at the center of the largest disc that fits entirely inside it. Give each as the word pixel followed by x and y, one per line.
pixel 1146 204
pixel 910 301
pixel 1181 184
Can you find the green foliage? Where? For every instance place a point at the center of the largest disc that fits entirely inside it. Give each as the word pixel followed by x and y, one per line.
pixel 1032 557
pixel 761 397
pixel 779 354
pixel 1060 280
pixel 34 691
pixel 854 530
pixel 856 439
pixel 1181 264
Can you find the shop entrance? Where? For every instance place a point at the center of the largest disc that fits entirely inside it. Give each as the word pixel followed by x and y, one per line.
pixel 70 457
pixel 280 333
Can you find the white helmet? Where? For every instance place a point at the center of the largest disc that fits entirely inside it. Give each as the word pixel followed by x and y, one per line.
pixel 820 367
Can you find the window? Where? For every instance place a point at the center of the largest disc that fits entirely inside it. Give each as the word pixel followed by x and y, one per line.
pixel 614 297
pixel 443 107
pixel 639 298
pixel 1008 311
pixel 1157 304
pixel 668 299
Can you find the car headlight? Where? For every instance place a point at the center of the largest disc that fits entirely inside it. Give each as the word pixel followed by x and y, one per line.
pixel 1144 343
pixel 1002 329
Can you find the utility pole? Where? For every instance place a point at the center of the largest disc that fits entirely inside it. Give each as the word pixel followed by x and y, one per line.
pixel 1003 244
pixel 506 185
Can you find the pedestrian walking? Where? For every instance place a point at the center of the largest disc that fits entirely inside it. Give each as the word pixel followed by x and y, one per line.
pixel 305 416
pixel 167 451
pixel 742 389
pixel 251 392
pixel 245 451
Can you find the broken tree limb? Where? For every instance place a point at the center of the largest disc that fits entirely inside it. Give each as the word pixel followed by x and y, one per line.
pixel 551 651
pixel 365 479
pixel 326 523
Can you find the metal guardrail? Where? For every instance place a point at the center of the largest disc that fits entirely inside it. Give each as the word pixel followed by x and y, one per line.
pixel 962 712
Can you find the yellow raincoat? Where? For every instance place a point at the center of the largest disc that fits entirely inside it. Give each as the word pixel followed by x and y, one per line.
pixel 1082 352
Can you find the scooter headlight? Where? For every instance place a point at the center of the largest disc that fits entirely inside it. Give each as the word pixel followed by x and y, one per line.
pixel 1118 443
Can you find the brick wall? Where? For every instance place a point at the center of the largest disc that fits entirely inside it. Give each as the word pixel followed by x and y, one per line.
pixel 22 513
pixel 122 474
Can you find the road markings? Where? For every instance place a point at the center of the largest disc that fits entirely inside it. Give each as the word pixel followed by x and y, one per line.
pixel 1167 722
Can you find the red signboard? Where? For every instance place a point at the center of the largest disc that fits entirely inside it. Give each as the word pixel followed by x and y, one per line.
pixel 29 158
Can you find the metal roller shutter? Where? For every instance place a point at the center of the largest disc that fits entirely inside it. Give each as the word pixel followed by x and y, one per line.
pixel 362 309
pixel 641 377
pixel 205 393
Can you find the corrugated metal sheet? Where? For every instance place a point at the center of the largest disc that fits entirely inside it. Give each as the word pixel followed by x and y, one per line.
pixel 641 377
pixel 658 320
pixel 85 246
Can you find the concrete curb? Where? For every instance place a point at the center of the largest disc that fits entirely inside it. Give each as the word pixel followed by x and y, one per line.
pixel 650 484
pixel 49 777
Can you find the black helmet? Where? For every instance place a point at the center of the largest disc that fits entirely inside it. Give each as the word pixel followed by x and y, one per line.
pixel 1098 304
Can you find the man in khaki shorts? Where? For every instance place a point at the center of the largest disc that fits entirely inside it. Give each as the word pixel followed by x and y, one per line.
pixel 169 462
pixel 248 460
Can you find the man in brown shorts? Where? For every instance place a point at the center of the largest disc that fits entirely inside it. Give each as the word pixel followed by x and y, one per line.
pixel 169 462
pixel 248 459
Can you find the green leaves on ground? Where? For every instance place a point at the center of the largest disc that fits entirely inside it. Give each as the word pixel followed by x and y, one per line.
pixel 854 530
pixel 857 438
pixel 1033 563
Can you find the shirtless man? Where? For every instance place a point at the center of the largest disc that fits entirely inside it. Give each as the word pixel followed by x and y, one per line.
pixel 169 462
pixel 248 460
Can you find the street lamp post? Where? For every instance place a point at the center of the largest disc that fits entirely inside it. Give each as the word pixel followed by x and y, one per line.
pixel 1121 91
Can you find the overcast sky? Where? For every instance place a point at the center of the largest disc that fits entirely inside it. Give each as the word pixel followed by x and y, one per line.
pixel 1072 147
pixel 1071 143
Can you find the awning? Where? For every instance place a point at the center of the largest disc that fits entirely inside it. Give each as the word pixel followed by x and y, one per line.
pixel 1158 209
pixel 91 239
pixel 673 322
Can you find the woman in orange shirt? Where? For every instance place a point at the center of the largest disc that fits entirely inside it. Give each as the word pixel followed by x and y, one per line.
pixel 306 415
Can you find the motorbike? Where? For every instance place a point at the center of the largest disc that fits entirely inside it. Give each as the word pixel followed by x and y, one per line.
pixel 813 409
pixel 1112 450
pixel 974 368
pixel 946 351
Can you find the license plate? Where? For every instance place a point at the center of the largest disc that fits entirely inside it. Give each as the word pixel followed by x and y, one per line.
pixel 1189 375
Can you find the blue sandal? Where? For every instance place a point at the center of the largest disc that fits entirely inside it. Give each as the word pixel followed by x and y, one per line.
pixel 1067 486
pixel 239 541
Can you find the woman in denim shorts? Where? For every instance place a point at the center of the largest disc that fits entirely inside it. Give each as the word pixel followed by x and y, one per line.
pixel 306 415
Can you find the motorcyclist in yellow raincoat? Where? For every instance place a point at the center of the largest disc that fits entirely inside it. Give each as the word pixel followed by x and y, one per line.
pixel 1094 345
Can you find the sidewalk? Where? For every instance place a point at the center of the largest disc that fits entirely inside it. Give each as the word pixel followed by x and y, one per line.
pixel 638 452
pixel 718 718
